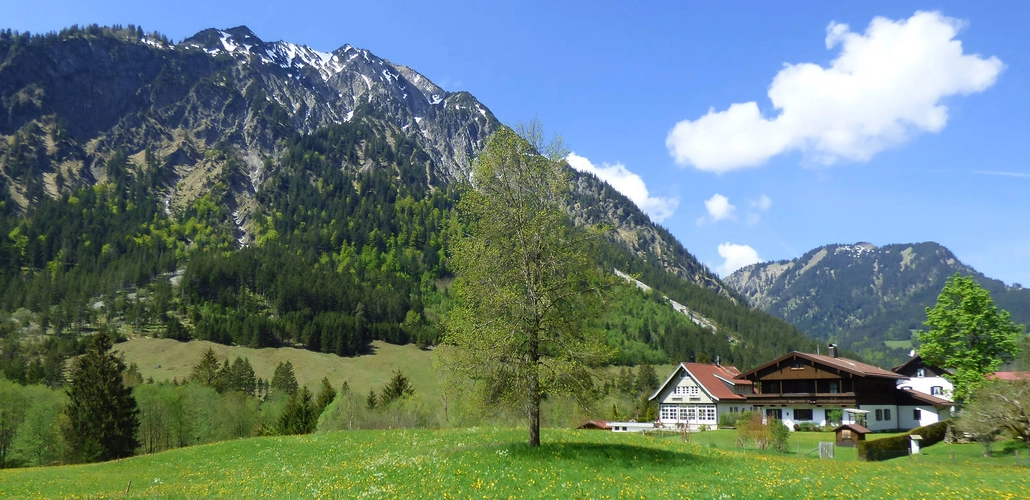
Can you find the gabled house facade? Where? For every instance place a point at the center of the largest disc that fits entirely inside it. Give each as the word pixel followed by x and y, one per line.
pixel 696 394
pixel 924 378
pixel 916 409
pixel 801 388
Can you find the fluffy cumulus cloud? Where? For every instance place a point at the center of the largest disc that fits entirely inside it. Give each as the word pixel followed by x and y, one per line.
pixel 884 86
pixel 735 257
pixel 719 208
pixel 629 184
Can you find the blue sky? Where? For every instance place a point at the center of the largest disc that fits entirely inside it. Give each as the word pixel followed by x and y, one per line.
pixel 906 130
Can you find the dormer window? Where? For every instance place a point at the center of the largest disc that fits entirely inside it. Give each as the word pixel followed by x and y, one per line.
pixel 920 372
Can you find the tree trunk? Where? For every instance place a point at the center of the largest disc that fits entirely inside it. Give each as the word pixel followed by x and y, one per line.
pixel 534 394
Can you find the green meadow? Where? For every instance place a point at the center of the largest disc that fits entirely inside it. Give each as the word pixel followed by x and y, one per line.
pixel 495 463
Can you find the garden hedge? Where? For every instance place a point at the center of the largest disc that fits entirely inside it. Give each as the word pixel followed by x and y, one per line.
pixel 898 446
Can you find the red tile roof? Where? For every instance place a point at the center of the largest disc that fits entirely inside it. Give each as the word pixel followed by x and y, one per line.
pixel 717 380
pixel 594 424
pixel 1010 376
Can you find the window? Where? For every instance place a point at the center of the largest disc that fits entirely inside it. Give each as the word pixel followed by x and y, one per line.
pixel 687 413
pixel 689 390
pixel 797 365
pixel 803 414
pixel 834 387
pixel 668 412
pixel 887 414
pixel 879 415
pixel 936 390
pixel 917 415
pixel 774 413
pixel 920 372
pixel 706 412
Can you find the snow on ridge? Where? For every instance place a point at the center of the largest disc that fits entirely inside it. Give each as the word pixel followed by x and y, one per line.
pixel 230 47
pixel 292 56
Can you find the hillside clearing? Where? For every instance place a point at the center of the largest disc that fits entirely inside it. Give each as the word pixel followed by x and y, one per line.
pixel 166 359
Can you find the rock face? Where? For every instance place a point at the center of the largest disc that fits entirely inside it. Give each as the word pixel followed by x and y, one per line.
pixel 861 295
pixel 68 101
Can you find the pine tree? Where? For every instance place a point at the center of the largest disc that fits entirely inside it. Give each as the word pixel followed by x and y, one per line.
pixel 102 414
pixel 283 380
pixel 241 377
pixel 325 396
pixel 371 401
pixel 205 372
pixel 398 387
pixel 299 416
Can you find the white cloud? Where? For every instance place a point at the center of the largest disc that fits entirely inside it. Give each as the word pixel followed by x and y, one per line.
pixel 763 203
pixel 1002 174
pixel 629 184
pixel 719 208
pixel 884 87
pixel 735 257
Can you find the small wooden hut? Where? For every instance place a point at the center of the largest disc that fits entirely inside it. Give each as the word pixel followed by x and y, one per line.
pixel 849 434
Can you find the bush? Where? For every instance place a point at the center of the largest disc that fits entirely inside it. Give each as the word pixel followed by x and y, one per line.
pixel 808 427
pixel 779 434
pixel 898 446
pixel 731 419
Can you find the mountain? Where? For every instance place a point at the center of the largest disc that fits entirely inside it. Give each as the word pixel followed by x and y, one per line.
pixel 866 298
pixel 264 193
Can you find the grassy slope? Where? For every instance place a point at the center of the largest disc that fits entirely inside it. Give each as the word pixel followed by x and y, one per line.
pixel 165 359
pixel 496 464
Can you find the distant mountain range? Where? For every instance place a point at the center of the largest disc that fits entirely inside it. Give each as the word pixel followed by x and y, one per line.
pixel 866 298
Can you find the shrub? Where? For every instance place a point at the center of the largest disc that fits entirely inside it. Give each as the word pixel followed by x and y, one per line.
pixel 807 427
pixel 731 419
pixel 779 433
pixel 898 446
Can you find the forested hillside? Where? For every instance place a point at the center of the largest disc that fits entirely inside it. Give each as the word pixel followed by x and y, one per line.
pixel 866 298
pixel 249 194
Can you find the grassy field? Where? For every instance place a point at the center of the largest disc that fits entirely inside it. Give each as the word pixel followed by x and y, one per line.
pixel 489 463
pixel 166 359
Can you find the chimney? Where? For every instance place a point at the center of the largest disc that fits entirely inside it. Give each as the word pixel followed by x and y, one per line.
pixel 718 360
pixel 833 350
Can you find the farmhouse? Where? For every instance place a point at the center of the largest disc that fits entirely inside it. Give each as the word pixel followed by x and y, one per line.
pixel 801 387
pixel 696 394
pixel 923 377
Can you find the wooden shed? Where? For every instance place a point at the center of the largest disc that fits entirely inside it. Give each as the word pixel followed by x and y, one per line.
pixel 596 425
pixel 849 434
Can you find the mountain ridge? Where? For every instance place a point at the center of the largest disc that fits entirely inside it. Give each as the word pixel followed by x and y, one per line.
pixel 265 194
pixel 861 295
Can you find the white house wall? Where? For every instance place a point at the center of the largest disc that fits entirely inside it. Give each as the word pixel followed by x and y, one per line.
pixel 884 424
pixel 927 415
pixel 925 385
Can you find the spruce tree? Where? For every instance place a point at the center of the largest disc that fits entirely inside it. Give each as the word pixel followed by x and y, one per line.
pixel 325 396
pixel 102 414
pixel 205 372
pixel 283 380
pixel 398 387
pixel 300 415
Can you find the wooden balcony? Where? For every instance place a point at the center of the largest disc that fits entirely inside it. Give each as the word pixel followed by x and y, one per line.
pixel 804 398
